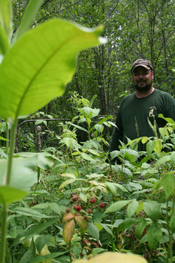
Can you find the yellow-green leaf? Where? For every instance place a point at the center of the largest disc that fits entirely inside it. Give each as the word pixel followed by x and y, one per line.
pixel 32 74
pixel 68 231
pixel 67 217
pixel 81 222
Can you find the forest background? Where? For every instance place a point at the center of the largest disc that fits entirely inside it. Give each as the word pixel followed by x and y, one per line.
pixel 134 29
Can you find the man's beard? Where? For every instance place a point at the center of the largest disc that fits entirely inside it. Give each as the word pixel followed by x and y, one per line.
pixel 143 89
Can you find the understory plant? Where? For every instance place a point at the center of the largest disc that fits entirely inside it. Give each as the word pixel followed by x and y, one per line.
pixel 31 75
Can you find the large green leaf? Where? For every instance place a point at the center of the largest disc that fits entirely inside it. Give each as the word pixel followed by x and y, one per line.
pixel 28 18
pixel 168 184
pixel 126 224
pixel 10 194
pixel 25 211
pixel 43 160
pixel 163 160
pixel 40 64
pixel 6 17
pixel 132 208
pixel 117 206
pixel 23 174
pixel 152 209
pixel 30 232
pixel 141 224
pixel 93 231
pixel 154 235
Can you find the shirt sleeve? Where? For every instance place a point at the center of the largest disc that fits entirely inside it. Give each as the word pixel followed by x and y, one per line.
pixel 170 112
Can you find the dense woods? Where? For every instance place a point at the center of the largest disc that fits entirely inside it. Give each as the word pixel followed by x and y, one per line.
pixel 134 29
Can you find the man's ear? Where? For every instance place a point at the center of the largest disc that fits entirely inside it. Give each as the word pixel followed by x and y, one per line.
pixel 152 72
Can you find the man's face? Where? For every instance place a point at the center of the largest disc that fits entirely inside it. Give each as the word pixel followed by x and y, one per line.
pixel 142 78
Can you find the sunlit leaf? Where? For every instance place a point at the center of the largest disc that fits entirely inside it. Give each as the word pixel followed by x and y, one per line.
pixel 68 175
pixel 89 112
pixel 99 127
pixel 34 71
pixel 70 181
pixel 86 157
pixel 117 206
pixel 111 187
pixel 10 194
pixel 32 74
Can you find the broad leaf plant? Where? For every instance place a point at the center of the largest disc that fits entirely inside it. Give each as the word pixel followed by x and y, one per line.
pixel 35 65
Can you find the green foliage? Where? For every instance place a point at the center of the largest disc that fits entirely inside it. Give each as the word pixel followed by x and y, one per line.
pixel 93 207
pixel 26 71
pixel 67 202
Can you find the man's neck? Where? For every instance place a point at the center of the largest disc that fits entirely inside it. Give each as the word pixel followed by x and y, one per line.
pixel 145 93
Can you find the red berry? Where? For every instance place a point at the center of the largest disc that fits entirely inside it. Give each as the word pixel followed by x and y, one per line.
pixel 74 197
pixel 75 207
pixel 92 200
pixel 102 205
pixel 78 208
pixel 89 210
pixel 67 209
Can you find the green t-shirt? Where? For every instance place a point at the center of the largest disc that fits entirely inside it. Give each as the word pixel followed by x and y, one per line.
pixel 132 118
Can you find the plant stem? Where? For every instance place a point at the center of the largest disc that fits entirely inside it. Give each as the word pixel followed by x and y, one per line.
pixel 11 151
pixel 70 252
pixel 7 137
pixel 5 206
pixel 170 247
pixel 3 232
pixel 38 173
pixel 171 237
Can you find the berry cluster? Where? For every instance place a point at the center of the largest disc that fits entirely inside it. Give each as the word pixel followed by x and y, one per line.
pixel 77 206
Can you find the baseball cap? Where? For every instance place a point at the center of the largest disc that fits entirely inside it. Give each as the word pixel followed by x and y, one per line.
pixel 142 63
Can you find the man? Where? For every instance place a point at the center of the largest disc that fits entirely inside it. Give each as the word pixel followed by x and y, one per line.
pixel 145 103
